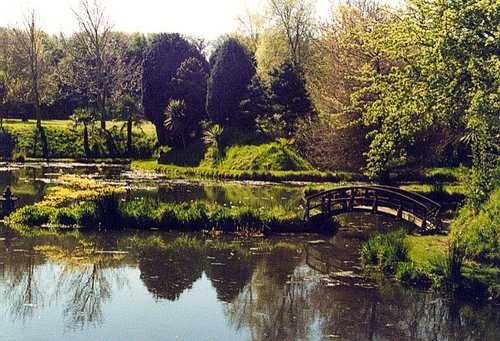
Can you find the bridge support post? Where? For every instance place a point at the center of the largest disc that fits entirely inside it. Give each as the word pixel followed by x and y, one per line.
pixel 351 200
pixel 375 204
pixel 424 222
pixel 399 215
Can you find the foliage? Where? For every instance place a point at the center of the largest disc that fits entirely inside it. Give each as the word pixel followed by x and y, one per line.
pixel 213 138
pixel 232 72
pixel 191 83
pixel 448 72
pixel 73 189
pixel 160 76
pixel 107 212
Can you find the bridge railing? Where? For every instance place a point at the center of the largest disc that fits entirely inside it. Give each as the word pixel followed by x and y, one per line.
pixel 354 198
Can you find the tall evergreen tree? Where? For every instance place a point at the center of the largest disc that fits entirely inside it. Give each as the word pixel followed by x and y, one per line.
pixel 289 94
pixel 191 80
pixel 232 72
pixel 159 84
pixel 256 101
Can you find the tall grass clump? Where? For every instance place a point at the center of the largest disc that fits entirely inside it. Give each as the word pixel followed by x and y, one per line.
pixel 386 251
pixel 478 234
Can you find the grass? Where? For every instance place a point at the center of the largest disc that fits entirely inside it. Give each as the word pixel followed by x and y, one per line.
pixel 64 140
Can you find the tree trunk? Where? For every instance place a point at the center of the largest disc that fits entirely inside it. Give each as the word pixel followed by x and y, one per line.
pixel 86 140
pixel 129 136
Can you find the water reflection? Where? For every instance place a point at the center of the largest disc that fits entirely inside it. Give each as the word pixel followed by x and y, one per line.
pixel 281 288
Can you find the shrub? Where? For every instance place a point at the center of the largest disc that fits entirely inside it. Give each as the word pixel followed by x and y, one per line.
pixel 409 272
pixel 387 250
pixel 7 143
pixel 31 215
pixel 63 216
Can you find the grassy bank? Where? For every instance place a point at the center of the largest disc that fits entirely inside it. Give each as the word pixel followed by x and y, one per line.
pixel 62 139
pixel 216 173
pixel 462 264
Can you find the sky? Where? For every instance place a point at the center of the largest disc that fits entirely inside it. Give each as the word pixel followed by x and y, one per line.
pixel 203 18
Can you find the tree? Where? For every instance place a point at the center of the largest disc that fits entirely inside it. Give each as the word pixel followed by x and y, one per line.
pixel 289 95
pixel 33 62
pixel 337 138
pixel 95 42
pixel 191 81
pixel 295 19
pixel 231 73
pixel 2 95
pixel 449 51
pixel 159 84
pixel 256 101
pixel 129 111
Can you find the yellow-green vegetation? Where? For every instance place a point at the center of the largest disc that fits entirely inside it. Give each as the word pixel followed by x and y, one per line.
pixel 62 139
pixel 73 189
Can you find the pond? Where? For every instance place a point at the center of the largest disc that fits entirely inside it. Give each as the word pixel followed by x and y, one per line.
pixel 154 285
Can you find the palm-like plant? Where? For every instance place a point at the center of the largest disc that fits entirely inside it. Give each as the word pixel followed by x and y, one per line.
pixel 175 121
pixel 84 117
pixel 130 112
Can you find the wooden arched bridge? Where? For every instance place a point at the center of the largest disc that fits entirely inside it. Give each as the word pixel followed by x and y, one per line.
pixel 403 205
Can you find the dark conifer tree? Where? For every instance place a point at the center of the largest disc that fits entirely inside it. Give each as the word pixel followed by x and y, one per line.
pixel 231 73
pixel 289 94
pixel 159 84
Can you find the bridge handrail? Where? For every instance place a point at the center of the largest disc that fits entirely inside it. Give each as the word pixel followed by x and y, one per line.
pixel 420 196
pixel 375 188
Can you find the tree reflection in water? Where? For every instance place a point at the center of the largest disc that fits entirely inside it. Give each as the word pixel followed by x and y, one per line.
pixel 167 272
pixel 23 291
pixel 307 306
pixel 229 270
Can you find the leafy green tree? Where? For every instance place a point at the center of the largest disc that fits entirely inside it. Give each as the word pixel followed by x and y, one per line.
pixel 159 84
pixel 231 74
pixel 129 111
pixel 289 95
pixel 449 72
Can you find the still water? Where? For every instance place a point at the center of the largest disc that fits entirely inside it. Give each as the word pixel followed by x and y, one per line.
pixel 165 286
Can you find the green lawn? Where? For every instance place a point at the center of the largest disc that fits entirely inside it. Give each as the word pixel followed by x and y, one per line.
pixel 147 126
